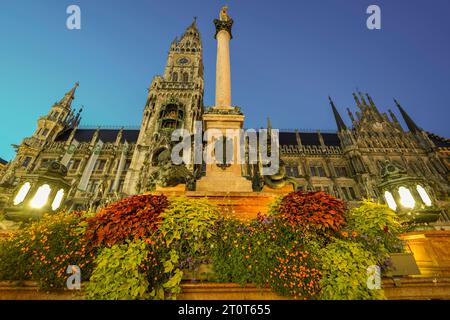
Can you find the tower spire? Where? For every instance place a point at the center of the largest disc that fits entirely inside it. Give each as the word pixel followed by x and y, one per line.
pixel 66 101
pixel 358 103
pixel 362 98
pixel 374 107
pixel 350 114
pixel 269 124
pixel 340 123
pixel 412 126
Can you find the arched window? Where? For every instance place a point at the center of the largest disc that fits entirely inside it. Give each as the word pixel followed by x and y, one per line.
pixel 185 77
pixel 175 76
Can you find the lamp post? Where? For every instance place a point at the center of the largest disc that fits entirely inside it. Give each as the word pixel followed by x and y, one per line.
pixel 39 193
pixel 411 197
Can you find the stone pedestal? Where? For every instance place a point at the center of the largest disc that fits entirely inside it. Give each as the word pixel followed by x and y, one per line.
pixel 240 205
pixel 224 178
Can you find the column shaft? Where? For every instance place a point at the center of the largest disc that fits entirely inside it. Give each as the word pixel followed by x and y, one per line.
pixel 223 71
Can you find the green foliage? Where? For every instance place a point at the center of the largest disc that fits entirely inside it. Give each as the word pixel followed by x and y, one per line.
pixel 120 273
pixel 186 229
pixel 376 227
pixel 374 219
pixel 172 274
pixel 43 250
pixel 187 226
pixel 344 269
pixel 14 263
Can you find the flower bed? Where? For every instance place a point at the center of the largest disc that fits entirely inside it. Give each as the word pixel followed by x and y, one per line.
pixel 309 246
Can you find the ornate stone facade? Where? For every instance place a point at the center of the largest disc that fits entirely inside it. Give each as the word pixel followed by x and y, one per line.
pixel 106 164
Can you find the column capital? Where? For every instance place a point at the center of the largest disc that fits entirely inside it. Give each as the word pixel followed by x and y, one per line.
pixel 223 25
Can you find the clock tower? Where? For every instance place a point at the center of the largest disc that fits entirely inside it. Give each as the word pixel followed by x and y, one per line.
pixel 175 101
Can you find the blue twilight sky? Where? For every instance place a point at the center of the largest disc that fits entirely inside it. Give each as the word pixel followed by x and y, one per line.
pixel 287 56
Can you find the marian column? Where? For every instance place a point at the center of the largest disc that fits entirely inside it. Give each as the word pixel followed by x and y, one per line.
pixel 223 69
pixel 224 172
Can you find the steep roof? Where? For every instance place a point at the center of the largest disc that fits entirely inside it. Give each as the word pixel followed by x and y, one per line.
pixel 286 137
pixel 106 135
pixel 3 161
pixel 439 141
pixel 309 139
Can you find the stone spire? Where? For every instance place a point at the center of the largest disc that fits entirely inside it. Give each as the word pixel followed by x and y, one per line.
pixel 340 123
pixel 374 108
pixel 358 103
pixel 269 124
pixel 350 114
pixel 69 97
pixel 409 122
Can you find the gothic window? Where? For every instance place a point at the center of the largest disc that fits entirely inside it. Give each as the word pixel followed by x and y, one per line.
pixel 317 171
pixel 26 162
pixel 172 117
pixel 341 171
pixel 44 133
pixel 127 165
pixel 292 171
pixel 74 164
pixel 352 192
pixel 344 190
pixel 92 186
pixel 175 76
pixel 120 185
pixel 100 165
pixel 185 77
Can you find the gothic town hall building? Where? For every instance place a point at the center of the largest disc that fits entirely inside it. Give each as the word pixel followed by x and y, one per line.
pixel 106 164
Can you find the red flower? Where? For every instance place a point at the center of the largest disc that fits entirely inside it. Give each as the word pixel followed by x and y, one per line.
pixel 316 209
pixel 130 218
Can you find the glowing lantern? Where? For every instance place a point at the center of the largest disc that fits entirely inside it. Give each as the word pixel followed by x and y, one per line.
pixel 406 198
pixel 411 197
pixel 22 193
pixel 40 198
pixel 58 199
pixel 390 200
pixel 424 195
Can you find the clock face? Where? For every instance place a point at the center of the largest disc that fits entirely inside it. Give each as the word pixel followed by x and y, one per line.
pixel 183 60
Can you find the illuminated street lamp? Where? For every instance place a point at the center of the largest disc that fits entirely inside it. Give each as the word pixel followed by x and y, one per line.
pixel 39 193
pixel 410 197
